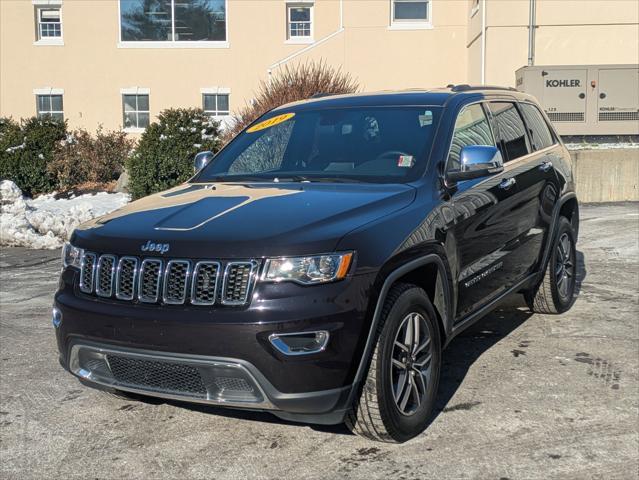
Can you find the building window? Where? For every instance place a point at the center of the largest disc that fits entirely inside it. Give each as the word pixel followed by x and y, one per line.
pixel 410 11
pixel 173 21
pixel 49 24
pixel 136 111
pixel 50 106
pixel 215 104
pixel 299 21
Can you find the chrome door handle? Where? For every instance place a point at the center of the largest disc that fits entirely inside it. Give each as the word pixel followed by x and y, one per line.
pixel 507 183
pixel 544 167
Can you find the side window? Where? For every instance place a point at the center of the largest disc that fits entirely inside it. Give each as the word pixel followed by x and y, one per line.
pixel 537 126
pixel 512 139
pixel 471 128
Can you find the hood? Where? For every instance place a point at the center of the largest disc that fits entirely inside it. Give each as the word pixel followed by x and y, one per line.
pixel 225 220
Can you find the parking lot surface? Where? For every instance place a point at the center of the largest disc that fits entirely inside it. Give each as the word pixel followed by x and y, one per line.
pixel 521 395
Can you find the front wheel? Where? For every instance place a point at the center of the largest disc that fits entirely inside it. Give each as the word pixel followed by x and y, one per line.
pixel 399 392
pixel 556 291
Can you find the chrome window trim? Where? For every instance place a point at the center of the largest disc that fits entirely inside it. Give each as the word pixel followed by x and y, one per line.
pixel 82 279
pixel 118 294
pixel 217 281
pixel 251 282
pixel 98 290
pixel 141 297
pixel 165 275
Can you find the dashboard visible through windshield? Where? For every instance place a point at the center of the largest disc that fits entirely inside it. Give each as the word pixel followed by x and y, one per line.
pixel 368 144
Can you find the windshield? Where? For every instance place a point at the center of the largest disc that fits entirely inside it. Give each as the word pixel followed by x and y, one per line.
pixel 372 144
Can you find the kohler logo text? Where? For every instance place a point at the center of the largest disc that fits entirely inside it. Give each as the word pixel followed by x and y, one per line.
pixel 149 246
pixel 563 83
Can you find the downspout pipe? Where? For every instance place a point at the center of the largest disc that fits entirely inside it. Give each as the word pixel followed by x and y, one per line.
pixel 531 32
pixel 483 42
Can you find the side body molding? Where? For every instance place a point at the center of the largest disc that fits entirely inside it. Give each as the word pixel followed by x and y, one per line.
pixel 392 277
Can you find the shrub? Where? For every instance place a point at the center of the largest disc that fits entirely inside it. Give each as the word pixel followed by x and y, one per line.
pixel 29 152
pixel 84 159
pixel 291 84
pixel 165 152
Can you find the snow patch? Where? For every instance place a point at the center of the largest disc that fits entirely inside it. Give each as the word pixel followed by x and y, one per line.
pixel 45 222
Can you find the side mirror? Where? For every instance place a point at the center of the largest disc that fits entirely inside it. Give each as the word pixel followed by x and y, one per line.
pixel 477 161
pixel 201 160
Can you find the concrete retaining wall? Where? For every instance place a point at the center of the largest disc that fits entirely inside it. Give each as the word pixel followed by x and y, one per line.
pixel 607 175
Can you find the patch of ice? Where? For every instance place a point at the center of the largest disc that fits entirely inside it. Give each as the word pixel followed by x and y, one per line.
pixel 45 222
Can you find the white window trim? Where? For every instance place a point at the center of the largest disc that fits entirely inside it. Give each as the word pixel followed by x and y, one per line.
pixel 173 43
pixel 48 41
pixel 216 91
pixel 134 91
pixel 300 40
pixel 411 24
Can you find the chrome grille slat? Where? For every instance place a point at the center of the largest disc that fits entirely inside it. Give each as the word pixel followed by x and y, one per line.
pixel 176 278
pixel 168 281
pixel 125 278
pixel 104 275
pixel 204 283
pixel 149 280
pixel 238 280
pixel 87 272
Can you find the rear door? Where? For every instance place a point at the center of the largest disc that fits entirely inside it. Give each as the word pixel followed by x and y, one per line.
pixel 485 219
pixel 530 165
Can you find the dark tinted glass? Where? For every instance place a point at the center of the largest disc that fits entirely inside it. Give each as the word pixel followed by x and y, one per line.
pixel 56 103
pixel 200 20
pixel 145 20
pixel 471 128
pixel 209 102
pixel 362 144
pixel 511 133
pixel 537 126
pixel 410 10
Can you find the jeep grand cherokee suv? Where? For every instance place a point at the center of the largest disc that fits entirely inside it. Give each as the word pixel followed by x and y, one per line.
pixel 317 266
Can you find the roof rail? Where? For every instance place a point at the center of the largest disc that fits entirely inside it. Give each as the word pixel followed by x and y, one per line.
pixel 320 95
pixel 464 87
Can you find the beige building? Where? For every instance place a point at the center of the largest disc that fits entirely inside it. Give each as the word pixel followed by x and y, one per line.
pixel 120 62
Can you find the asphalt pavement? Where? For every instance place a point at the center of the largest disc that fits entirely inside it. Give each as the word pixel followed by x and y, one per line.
pixel 521 397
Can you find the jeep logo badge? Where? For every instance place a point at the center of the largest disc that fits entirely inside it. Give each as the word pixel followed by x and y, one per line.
pixel 149 246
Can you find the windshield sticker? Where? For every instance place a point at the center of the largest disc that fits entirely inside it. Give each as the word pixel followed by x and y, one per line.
pixel 426 119
pixel 406 161
pixel 271 122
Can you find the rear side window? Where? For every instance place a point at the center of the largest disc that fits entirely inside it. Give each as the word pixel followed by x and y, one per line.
pixel 471 128
pixel 512 139
pixel 537 126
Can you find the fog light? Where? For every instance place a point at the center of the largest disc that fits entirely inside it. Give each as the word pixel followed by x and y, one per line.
pixel 56 317
pixel 302 343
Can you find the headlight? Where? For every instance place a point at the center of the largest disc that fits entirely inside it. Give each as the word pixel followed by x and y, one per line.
pixel 308 270
pixel 71 256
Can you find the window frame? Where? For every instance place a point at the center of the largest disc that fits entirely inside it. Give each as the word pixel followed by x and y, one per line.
pixel 38 7
pixel 300 39
pixel 173 43
pixel 216 113
pixel 553 134
pixel 49 93
pixel 491 126
pixel 137 92
pixel 411 24
pixel 506 158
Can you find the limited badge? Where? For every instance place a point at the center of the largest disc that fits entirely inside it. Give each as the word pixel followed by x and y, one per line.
pixel 270 122
pixel 406 161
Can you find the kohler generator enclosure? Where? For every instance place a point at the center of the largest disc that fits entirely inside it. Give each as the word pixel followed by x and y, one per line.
pixel 586 99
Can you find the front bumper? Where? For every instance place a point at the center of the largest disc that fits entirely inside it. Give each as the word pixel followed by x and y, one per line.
pixel 225 351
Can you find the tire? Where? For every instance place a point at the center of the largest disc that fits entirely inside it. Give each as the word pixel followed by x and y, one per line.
pixel 555 293
pixel 376 414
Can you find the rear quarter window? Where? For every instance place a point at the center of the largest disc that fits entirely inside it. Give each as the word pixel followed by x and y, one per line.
pixel 540 134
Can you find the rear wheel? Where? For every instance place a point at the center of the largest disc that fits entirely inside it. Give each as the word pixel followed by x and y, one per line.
pixel 399 392
pixel 555 293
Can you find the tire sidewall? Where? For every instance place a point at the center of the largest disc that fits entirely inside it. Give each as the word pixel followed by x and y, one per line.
pixel 563 304
pixel 403 427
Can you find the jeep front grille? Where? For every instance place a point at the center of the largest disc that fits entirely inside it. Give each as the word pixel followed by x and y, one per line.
pixel 173 281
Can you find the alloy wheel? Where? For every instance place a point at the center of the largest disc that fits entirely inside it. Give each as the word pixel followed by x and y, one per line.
pixel 411 372
pixel 564 266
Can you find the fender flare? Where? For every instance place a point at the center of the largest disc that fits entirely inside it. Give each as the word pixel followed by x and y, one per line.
pixel 392 277
pixel 552 232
